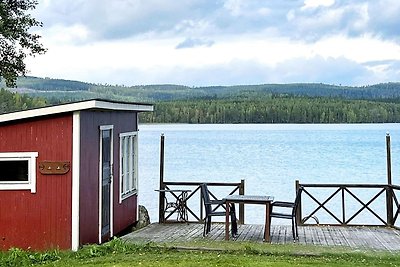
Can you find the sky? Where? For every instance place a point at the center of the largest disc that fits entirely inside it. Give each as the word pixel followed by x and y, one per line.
pixel 219 42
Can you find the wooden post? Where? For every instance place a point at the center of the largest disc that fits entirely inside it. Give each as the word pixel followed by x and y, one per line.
pixel 201 207
pixel 342 188
pixel 388 159
pixel 241 206
pixel 389 197
pixel 298 211
pixel 161 214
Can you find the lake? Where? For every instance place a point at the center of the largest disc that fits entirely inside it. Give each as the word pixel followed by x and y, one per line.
pixel 269 157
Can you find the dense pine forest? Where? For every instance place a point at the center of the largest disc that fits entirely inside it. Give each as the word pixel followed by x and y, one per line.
pixel 10 101
pixel 268 103
pixel 274 109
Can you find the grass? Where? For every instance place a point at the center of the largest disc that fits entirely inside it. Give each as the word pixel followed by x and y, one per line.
pixel 119 253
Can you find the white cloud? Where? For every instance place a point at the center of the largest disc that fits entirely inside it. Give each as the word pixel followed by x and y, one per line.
pixel 317 3
pixel 131 42
pixel 152 54
pixel 74 34
pixel 194 42
pixel 360 49
pixel 234 6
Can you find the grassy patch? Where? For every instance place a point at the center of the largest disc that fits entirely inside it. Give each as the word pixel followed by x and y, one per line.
pixel 119 253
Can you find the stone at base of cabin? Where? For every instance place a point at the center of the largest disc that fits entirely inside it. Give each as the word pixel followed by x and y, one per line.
pixel 144 218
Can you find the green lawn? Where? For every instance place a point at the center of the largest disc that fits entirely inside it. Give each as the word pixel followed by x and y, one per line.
pixel 118 253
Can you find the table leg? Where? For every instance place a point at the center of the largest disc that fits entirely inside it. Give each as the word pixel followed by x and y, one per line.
pixel 184 210
pixel 227 221
pixel 179 208
pixel 267 223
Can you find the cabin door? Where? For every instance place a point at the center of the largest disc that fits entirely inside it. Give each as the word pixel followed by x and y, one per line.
pixel 106 179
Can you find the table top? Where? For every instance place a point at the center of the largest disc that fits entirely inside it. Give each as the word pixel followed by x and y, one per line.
pixel 249 199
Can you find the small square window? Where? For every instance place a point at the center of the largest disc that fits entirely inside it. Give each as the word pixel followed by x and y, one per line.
pixel 18 171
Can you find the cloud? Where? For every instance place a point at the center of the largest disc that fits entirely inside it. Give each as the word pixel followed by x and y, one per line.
pixel 317 3
pixel 315 69
pixel 384 18
pixel 319 69
pixel 384 70
pixel 243 8
pixel 312 70
pixel 312 24
pixel 193 42
pixel 197 42
pixel 309 19
pixel 119 19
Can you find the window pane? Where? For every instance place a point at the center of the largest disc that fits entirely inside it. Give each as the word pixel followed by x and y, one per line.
pixel 122 159
pixel 124 170
pixel 14 170
pixel 128 164
pixel 106 145
pixel 126 155
pixel 133 164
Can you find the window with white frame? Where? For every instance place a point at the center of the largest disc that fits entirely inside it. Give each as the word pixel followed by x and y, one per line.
pixel 18 171
pixel 128 164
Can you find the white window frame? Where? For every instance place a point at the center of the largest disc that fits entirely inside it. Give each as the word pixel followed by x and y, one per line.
pixel 132 169
pixel 21 185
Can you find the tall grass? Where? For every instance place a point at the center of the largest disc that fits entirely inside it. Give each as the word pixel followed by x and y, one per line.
pixel 119 253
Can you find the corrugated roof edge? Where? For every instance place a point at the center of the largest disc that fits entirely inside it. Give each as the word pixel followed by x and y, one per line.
pixel 75 106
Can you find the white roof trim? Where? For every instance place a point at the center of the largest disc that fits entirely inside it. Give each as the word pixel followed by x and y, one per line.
pixel 90 104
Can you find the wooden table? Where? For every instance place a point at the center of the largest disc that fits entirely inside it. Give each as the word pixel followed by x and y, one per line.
pixel 249 199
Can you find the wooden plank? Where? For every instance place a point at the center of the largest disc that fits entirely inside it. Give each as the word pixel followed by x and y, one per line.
pixel 347 237
pixel 371 238
pixel 243 231
pixel 277 234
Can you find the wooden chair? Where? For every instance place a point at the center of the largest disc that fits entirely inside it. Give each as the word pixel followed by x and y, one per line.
pixel 291 215
pixel 210 212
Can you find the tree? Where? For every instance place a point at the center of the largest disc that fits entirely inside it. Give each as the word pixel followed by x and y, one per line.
pixel 15 40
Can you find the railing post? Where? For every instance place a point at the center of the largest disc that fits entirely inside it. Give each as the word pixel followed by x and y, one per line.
pixel 201 207
pixel 389 196
pixel 161 214
pixel 298 211
pixel 343 206
pixel 241 206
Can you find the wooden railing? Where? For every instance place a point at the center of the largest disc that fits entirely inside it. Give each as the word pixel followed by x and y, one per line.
pixel 195 209
pixel 340 196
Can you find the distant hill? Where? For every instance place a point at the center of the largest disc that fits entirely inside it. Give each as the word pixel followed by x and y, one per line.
pixel 65 90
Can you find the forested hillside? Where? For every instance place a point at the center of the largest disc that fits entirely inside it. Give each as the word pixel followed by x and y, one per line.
pixel 274 109
pixel 268 103
pixel 14 102
pixel 65 90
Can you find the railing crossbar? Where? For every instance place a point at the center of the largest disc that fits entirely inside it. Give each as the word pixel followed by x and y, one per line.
pixel 322 205
pixel 397 206
pixel 187 207
pixel 397 214
pixel 392 202
pixel 365 206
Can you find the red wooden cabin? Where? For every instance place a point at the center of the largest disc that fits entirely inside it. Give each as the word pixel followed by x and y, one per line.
pixel 68 174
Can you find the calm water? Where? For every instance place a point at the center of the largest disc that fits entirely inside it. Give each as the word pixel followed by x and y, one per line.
pixel 269 157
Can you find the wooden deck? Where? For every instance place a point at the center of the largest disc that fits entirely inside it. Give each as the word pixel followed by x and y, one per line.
pixel 369 238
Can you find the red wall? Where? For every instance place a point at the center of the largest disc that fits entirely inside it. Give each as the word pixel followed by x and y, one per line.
pixel 41 220
pixel 124 213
